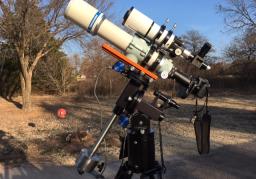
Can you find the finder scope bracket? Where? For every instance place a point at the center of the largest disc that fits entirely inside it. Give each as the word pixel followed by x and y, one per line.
pixel 198 60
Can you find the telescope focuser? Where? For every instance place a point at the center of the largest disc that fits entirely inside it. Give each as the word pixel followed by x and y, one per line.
pixel 196 86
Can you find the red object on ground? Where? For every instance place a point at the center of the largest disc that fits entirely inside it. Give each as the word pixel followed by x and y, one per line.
pixel 62 113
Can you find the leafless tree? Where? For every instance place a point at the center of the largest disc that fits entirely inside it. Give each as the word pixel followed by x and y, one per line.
pixel 242 48
pixel 239 14
pixel 95 64
pixel 35 28
pixel 194 40
pixel 55 74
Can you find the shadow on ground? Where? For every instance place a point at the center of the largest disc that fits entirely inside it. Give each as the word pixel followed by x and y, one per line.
pixel 231 161
pixel 230 119
pixel 225 118
pixel 12 151
pixel 15 103
pixel 237 161
pixel 91 109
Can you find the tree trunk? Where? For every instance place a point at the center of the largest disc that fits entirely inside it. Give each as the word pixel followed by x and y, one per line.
pixel 26 81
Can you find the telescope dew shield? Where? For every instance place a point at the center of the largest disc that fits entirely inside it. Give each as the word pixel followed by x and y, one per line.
pixel 147 28
pixel 90 19
pixel 140 23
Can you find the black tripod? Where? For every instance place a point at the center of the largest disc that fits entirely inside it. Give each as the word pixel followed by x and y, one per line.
pixel 140 151
pixel 139 146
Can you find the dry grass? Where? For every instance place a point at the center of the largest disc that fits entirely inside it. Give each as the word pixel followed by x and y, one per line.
pixel 234 122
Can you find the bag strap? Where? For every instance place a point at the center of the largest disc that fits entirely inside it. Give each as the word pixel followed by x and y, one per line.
pixel 206 102
pixel 205 106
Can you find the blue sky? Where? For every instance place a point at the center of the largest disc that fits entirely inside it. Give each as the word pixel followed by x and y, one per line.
pixel 198 15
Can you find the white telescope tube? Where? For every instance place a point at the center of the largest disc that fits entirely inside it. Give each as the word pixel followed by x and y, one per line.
pixel 146 27
pixel 140 23
pixel 89 18
pixel 136 48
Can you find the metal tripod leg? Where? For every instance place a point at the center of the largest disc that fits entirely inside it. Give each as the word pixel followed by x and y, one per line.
pixel 103 135
pixel 88 161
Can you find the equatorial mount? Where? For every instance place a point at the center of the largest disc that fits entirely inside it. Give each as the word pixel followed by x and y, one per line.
pixel 147 55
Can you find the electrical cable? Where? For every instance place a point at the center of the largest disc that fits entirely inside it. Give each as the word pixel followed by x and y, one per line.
pixel 206 101
pixel 101 110
pixel 125 137
pixel 2 66
pixel 161 147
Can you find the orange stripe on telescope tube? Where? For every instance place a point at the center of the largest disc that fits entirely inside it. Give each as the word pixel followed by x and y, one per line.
pixel 115 53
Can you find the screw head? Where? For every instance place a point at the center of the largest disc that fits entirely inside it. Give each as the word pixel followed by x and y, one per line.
pixel 178 52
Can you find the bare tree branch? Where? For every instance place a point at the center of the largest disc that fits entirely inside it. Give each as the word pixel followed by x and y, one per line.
pixel 240 14
pixel 35 28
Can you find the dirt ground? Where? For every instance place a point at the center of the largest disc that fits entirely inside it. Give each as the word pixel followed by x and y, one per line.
pixel 41 137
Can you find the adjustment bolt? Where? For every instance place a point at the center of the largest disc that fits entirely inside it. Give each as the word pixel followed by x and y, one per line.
pixel 132 68
pixel 164 75
pixel 174 27
pixel 178 52
pixel 166 21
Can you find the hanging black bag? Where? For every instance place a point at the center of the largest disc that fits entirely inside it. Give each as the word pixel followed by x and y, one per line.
pixel 202 126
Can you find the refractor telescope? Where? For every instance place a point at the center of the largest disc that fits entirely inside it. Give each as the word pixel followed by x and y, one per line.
pixel 152 46
pixel 146 56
